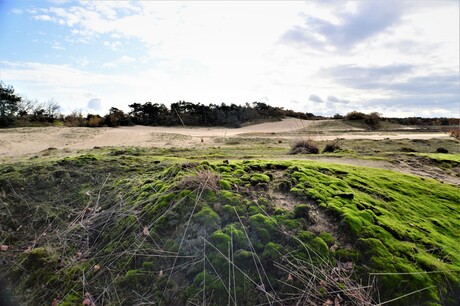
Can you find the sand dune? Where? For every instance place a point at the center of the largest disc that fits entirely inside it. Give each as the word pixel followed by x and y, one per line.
pixel 24 141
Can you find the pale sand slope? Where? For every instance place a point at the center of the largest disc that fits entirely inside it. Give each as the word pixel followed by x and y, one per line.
pixel 23 141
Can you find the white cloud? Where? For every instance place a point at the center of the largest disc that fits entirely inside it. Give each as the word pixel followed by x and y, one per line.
pixel 94 104
pixel 44 18
pixel 245 51
pixel 123 60
pixel 57 46
pixel 114 45
pixel 83 61
pixel 315 98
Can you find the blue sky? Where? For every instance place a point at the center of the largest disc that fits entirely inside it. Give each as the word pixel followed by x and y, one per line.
pixel 399 58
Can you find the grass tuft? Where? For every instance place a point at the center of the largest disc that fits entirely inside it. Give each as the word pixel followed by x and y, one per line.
pixel 331 147
pixel 304 146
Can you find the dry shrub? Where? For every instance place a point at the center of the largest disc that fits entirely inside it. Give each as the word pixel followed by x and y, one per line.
pixel 455 133
pixel 204 179
pixel 331 147
pixel 95 121
pixel 304 146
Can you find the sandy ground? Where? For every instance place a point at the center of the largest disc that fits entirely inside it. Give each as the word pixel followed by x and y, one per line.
pixel 25 141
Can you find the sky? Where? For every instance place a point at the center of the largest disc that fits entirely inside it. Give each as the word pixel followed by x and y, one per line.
pixel 398 58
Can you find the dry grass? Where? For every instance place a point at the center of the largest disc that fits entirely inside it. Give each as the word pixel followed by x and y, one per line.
pixel 455 133
pixel 204 179
pixel 331 147
pixel 304 146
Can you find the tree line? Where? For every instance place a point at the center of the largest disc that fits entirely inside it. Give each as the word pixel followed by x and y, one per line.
pixel 16 111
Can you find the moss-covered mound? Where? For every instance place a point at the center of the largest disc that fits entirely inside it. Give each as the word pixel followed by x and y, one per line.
pixel 121 229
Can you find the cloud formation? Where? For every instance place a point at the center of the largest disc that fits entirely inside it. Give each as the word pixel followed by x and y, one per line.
pixel 320 56
pixel 315 98
pixel 94 104
pixel 333 99
pixel 369 18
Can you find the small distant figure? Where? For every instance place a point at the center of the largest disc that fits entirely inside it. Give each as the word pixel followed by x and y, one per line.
pixel 202 140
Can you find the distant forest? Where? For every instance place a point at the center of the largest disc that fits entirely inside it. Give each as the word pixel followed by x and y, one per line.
pixel 16 111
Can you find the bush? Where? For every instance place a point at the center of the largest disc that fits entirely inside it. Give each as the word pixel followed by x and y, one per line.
pixel 305 146
pixel 372 119
pixel 455 133
pixel 354 115
pixel 95 121
pixel 331 147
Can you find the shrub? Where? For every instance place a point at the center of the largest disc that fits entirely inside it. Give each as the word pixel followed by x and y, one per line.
pixel 305 146
pixel 331 147
pixel 372 119
pixel 354 115
pixel 455 133
pixel 95 120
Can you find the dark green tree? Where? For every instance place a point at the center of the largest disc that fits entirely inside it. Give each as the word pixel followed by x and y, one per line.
pixel 116 117
pixel 373 120
pixel 9 105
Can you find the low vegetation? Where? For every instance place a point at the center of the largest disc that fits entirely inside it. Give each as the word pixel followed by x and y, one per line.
pixel 304 146
pixel 331 147
pixel 455 133
pixel 125 227
pixel 16 111
pixel 372 120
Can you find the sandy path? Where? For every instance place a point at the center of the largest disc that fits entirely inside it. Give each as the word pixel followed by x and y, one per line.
pixel 24 141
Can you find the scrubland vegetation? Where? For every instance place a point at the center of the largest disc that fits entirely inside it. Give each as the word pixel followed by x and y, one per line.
pixel 133 226
pixel 246 220
pixel 16 111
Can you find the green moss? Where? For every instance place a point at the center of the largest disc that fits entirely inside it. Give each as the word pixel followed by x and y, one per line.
pixel 237 235
pixel 148 265
pixel 348 255
pixel 258 178
pixel 302 211
pixel 373 247
pixel 79 160
pixel 225 184
pixel 327 237
pixel 207 218
pixel 352 224
pixel 272 252
pixel 229 197
pixel 253 210
pixel 160 205
pixel 244 259
pixel 390 222
pixel 37 258
pixel 313 243
pixel 298 192
pixel 71 299
pixel 209 196
pixel 221 241
pixel 262 201
pixel 262 228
